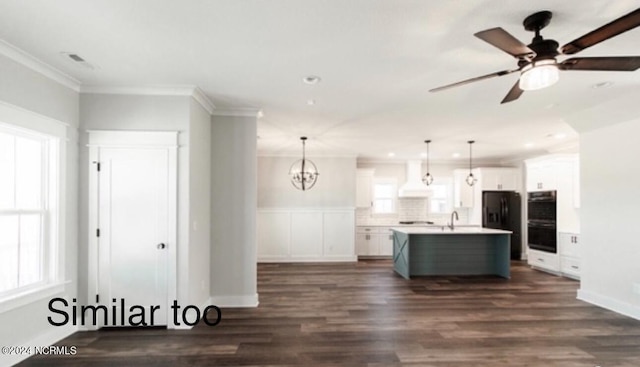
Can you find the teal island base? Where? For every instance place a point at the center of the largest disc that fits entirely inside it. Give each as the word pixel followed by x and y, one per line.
pixel 462 251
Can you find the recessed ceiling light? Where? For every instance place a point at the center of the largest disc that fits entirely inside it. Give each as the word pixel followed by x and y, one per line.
pixel 559 136
pixel 391 154
pixel 311 79
pixel 606 84
pixel 311 102
pixel 528 145
pixel 423 155
pixel 456 155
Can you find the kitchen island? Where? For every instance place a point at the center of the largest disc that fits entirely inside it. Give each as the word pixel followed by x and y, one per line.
pixel 443 251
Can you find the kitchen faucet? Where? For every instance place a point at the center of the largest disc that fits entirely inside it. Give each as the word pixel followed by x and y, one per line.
pixel 454 213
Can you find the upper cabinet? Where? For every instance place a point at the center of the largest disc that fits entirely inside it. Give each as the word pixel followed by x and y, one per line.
pixel 498 179
pixel 542 175
pixel 364 187
pixel 462 192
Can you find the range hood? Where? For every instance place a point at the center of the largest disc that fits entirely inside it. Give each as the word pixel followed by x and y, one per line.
pixel 414 187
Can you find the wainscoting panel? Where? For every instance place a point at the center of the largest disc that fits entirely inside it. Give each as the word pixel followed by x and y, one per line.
pixel 306 235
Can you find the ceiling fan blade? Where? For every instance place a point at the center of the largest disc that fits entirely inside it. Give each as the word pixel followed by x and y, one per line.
pixel 621 63
pixel 514 93
pixel 488 76
pixel 612 29
pixel 503 40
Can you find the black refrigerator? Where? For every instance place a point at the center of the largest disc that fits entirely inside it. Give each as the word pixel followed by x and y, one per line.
pixel 501 210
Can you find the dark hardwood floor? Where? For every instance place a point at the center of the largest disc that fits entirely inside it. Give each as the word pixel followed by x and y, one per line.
pixel 365 315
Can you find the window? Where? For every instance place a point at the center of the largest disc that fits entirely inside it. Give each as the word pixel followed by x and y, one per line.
pixel 28 221
pixel 385 192
pixel 442 192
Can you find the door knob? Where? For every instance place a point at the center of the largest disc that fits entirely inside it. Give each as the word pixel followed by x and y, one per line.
pixel 161 246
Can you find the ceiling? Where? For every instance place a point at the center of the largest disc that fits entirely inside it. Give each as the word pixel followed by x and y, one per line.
pixel 377 59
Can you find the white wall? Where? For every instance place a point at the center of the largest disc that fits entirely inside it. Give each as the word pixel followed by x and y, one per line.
pixel 609 217
pixel 336 185
pixel 32 91
pixel 199 204
pixel 233 211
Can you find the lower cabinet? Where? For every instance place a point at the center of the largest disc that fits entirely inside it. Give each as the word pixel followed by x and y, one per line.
pixel 569 248
pixel 566 262
pixel 374 241
pixel 544 261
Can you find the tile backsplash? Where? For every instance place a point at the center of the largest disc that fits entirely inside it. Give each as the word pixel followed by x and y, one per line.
pixel 409 209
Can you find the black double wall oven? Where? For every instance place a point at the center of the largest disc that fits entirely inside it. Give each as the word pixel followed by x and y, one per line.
pixel 541 221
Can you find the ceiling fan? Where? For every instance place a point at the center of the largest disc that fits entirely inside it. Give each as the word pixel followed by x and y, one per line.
pixel 537 62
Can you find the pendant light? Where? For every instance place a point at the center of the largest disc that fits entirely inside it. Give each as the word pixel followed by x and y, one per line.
pixel 428 178
pixel 470 179
pixel 303 172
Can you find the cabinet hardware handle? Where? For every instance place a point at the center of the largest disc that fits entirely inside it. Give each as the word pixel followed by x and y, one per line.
pixel 541 260
pixel 574 267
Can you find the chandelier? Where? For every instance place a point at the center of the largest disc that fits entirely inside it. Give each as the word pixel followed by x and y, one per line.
pixel 303 172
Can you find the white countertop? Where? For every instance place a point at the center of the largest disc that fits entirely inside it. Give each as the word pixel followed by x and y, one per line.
pixel 448 231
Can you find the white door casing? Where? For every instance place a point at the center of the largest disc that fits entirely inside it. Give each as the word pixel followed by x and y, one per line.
pixel 133 204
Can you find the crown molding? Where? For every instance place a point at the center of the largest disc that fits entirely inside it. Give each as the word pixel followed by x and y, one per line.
pixel 317 155
pixel 154 90
pixel 241 111
pixel 204 101
pixel 29 61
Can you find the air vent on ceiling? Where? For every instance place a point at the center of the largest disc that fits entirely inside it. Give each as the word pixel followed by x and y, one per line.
pixel 77 60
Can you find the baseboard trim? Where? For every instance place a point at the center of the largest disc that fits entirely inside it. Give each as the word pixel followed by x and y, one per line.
pixel 52 336
pixel 609 303
pixel 235 301
pixel 287 259
pixel 183 326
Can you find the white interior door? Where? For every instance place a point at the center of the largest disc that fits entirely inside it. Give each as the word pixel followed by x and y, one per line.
pixel 133 219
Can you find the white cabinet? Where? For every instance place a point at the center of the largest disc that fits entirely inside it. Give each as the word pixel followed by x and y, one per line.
pixel 463 194
pixel 541 175
pixel 386 241
pixel 364 187
pixel 374 241
pixel 367 242
pixel 547 261
pixel 569 248
pixel 498 179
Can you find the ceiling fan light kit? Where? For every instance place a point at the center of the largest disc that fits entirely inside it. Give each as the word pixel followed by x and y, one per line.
pixel 538 75
pixel 537 62
pixel 303 172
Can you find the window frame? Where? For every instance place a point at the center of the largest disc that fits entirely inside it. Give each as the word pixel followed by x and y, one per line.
pixel 53 136
pixel 394 197
pixel 448 183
